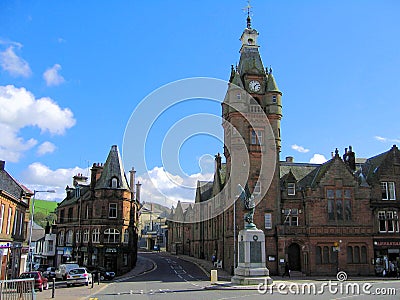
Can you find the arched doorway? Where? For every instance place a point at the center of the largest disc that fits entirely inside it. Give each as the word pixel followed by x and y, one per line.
pixel 294 257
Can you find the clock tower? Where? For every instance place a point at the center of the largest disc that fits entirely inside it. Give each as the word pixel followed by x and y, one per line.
pixel 252 112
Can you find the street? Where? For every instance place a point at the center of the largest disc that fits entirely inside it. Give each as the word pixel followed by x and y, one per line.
pixel 175 278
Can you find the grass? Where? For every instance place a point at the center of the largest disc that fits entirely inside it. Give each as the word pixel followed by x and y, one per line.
pixel 45 207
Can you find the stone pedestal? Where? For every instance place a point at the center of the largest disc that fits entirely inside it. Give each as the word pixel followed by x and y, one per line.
pixel 251 267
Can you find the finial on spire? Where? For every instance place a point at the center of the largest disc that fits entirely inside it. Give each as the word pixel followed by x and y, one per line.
pixel 248 8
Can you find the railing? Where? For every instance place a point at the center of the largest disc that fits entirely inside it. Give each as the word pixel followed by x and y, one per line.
pixel 17 289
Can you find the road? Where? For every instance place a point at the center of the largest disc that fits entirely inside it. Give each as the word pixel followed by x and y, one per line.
pixel 174 278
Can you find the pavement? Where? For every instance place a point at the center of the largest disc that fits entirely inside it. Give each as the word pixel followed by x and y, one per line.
pixel 61 292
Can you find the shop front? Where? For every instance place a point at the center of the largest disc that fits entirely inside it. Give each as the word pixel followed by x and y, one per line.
pixel 387 256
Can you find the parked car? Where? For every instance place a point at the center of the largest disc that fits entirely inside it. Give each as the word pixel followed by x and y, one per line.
pixel 41 282
pixel 104 274
pixel 40 267
pixel 50 273
pixel 61 272
pixel 78 275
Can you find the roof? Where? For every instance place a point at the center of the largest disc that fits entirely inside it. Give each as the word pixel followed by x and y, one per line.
pixel 113 168
pixel 250 62
pixel 72 198
pixel 204 190
pixel 299 170
pixel 12 186
pixel 271 84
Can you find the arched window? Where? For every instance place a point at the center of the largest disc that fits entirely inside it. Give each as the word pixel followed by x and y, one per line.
pixel 61 238
pixel 349 254
pixel 111 235
pixel 86 235
pixel 363 255
pixel 318 256
pixel 78 236
pixel 114 183
pixel 96 235
pixel 69 237
pixel 356 255
pixel 325 255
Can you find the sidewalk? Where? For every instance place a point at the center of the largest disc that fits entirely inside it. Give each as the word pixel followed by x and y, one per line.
pixel 143 265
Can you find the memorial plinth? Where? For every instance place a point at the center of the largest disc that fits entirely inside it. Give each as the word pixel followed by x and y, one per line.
pixel 251 267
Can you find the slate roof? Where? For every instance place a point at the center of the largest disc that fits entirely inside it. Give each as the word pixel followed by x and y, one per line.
pixel 113 168
pixel 299 170
pixel 250 62
pixel 271 84
pixel 205 190
pixel 12 186
pixel 73 199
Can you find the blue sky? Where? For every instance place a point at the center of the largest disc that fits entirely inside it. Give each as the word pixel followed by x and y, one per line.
pixel 73 72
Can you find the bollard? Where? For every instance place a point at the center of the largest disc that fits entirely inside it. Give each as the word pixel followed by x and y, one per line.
pixel 53 288
pixel 214 276
pixel 98 278
pixel 93 279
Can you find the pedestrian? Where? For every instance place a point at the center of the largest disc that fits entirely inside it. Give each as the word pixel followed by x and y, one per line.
pixel 287 270
pixel 214 259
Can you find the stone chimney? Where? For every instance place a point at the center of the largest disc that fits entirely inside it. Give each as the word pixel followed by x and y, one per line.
pixel 2 165
pixel 289 159
pixel 138 186
pixel 218 161
pixel 132 179
pixel 96 171
pixel 79 179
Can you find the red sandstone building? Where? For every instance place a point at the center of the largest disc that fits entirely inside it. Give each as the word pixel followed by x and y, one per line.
pixel 320 218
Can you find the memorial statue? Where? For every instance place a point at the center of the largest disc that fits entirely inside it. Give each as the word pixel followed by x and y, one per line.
pixel 249 206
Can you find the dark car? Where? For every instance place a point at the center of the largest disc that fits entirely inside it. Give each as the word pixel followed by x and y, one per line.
pixel 104 274
pixel 50 273
pixel 40 267
pixel 41 282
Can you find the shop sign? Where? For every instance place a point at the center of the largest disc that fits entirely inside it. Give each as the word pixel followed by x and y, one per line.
pixel 387 243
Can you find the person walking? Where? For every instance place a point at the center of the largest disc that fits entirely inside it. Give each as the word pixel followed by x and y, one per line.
pixel 287 270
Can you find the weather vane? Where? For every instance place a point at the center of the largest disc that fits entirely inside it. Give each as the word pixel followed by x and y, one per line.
pixel 248 9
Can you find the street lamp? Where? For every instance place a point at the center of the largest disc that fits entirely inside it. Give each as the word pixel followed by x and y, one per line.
pixel 30 230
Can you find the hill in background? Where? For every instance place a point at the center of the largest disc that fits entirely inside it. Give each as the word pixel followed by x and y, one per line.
pixel 44 212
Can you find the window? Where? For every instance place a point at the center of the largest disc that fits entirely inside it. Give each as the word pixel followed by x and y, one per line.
pixel 256 137
pixel 388 221
pixel 9 220
pixel 77 191
pixel 291 217
pixel 61 238
pixel 268 221
pixel 273 98
pixel 1 217
pixel 112 210
pixel 126 236
pixel 21 222
pixel 388 191
pixel 15 222
pixel 78 236
pixel 69 236
pixel 86 235
pixel 70 214
pixel 125 260
pixel 111 235
pixel 114 183
pixel 257 188
pixel 87 212
pixel 291 189
pixel 96 235
pixel 339 204
pixel 318 255
pixel 356 255
pixel 325 255
pixel 50 246
pixel 238 96
pixel 61 216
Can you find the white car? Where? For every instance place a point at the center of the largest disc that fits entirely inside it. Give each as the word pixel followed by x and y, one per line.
pixel 78 275
pixel 61 272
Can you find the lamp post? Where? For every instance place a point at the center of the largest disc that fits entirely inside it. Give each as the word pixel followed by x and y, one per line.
pixel 30 230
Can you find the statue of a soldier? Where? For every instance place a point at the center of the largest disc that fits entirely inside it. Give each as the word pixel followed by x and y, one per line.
pixel 249 206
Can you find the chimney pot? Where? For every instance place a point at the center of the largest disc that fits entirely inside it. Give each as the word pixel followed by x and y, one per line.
pixel 289 159
pixel 2 164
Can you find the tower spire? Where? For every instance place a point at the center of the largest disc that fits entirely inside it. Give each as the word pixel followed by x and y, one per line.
pixel 248 8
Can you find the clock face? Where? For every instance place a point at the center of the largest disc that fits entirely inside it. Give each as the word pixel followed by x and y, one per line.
pixel 254 86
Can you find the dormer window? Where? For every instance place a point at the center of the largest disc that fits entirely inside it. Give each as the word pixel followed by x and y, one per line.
pixel 291 189
pixel 388 190
pixel 114 183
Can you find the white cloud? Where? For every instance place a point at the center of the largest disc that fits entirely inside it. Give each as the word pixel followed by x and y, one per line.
pixel 14 64
pixel 46 147
pixel 318 159
pixel 20 109
pixel 300 149
pixel 52 77
pixel 384 139
pixel 167 189
pixel 40 177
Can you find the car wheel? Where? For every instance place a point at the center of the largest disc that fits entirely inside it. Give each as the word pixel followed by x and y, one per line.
pixel 41 288
pixel 101 278
pixel 68 285
pixel 87 283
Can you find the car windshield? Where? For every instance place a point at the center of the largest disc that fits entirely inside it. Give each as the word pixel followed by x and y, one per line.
pixel 29 275
pixel 77 271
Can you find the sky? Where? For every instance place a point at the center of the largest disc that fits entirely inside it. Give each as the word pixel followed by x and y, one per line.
pixel 74 74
